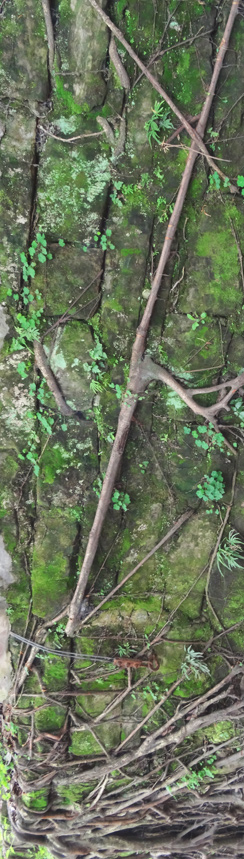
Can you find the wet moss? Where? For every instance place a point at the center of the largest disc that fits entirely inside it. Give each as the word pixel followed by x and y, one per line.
pixel 55 672
pixel 220 732
pixel 37 799
pixel 50 567
pixel 73 794
pixel 50 719
pixel 83 743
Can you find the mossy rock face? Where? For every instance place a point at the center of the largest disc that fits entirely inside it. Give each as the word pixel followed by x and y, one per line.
pixel 124 279
pixel 51 563
pixel 23 71
pixel 212 271
pixel 71 191
pixel 72 795
pixel 84 743
pixel 50 718
pixel 65 470
pixel 136 25
pixel 69 353
pixel 16 420
pixel 229 145
pixel 82 43
pixel 37 799
pixel 162 466
pixel 226 594
pixel 95 704
pixel 55 675
pixel 183 564
pixel 236 351
pixel 220 732
pixel 17 147
pixel 188 348
pixel 63 280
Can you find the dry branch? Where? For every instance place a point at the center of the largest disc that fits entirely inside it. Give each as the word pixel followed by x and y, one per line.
pixel 142 372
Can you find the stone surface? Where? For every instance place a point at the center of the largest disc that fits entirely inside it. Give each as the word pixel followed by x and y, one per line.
pixel 5 662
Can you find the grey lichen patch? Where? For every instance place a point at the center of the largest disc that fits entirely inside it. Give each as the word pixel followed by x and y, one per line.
pixel 5 663
pixel 6 576
pixel 16 403
pixel 4 327
pixel 78 177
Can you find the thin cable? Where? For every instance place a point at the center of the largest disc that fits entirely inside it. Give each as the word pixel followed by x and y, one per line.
pixel 61 652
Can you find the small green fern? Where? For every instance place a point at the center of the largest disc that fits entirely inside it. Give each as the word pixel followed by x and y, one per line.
pixel 230 553
pixel 96 386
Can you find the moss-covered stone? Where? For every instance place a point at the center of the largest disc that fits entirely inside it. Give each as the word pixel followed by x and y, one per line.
pixel 213 273
pixel 65 279
pixel 82 44
pixel 51 563
pixel 23 71
pixel 81 175
pixel 183 564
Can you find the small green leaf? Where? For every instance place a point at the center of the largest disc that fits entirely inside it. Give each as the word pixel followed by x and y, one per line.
pixel 61 243
pixel 41 257
pixel 21 369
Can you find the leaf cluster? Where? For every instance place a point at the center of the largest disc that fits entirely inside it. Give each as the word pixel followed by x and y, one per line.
pixel 213 488
pixel 214 439
pixel 160 119
pixel 120 500
pixel 38 247
pixel 192 662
